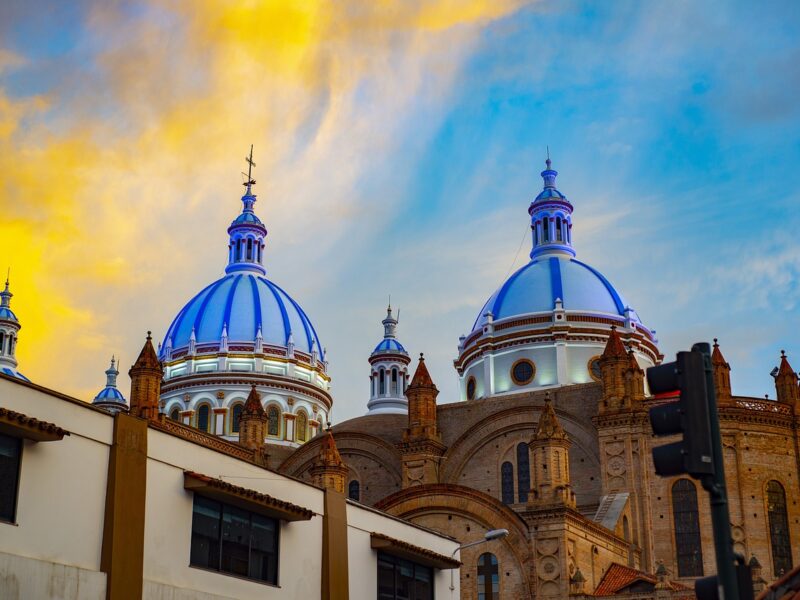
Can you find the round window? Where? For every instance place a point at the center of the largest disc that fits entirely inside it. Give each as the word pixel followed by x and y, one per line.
pixel 523 371
pixel 471 388
pixel 594 368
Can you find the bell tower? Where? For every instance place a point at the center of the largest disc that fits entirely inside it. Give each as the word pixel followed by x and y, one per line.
pixel 388 371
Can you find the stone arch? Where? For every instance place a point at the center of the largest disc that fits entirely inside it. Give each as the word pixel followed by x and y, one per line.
pixel 202 397
pixel 519 418
pixel 444 501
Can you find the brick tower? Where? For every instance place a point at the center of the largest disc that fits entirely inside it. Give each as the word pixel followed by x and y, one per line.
pixel 146 374
pixel 550 449
pixel 253 422
pixel 329 471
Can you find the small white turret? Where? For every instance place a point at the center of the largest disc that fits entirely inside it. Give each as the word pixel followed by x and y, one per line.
pixel 389 371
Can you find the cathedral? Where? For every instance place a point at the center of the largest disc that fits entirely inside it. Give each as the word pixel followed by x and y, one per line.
pixel 548 439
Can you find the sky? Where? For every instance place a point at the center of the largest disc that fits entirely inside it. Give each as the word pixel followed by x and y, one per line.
pixel 398 146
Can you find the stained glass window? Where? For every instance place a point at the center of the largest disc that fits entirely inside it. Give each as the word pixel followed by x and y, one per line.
pixel 488 577
pixel 523 472
pixel 507 482
pixel 301 425
pixel 236 414
pixel 273 420
pixel 687 529
pixel 202 417
pixel 778 529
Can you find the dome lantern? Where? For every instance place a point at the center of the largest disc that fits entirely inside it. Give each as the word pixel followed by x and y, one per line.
pixel 551 218
pixel 247 233
pixel 9 331
pixel 388 371
pixel 110 398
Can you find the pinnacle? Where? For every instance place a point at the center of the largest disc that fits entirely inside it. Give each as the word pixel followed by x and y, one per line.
pixel 785 368
pixel 252 406
pixel 716 356
pixel 549 426
pixel 421 377
pixel 328 452
pixel 147 357
pixel 614 347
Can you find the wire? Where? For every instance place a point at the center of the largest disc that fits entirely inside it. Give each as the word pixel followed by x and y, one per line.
pixel 516 256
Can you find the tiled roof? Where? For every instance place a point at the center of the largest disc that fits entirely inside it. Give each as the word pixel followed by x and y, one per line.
pixel 618 577
pixel 786 588
pixel 30 427
pixel 403 549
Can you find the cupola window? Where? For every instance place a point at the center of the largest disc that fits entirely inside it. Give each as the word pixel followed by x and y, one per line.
pixel 523 372
pixel 559 235
pixel 382 380
pixel 203 417
pixel 394 382
pixel 273 420
pixel 249 249
pixel 2 342
pixel 301 425
pixel 546 229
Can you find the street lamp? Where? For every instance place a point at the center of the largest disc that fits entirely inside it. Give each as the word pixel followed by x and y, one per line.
pixel 489 536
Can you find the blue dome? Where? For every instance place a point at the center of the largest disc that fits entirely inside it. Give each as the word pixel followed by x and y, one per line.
pixel 246 217
pixel 7 314
pixel 536 287
pixel 110 394
pixel 243 302
pixel 389 345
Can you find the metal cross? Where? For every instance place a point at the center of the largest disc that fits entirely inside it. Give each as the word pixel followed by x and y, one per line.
pixel 250 165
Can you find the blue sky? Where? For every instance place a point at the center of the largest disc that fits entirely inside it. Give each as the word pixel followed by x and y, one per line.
pixel 399 157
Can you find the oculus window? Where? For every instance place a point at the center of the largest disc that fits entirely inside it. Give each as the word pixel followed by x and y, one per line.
pixel 523 371
pixel 471 388
pixel 10 452
pixel 234 541
pixel 400 579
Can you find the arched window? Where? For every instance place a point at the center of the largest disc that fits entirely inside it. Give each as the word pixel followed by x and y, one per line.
pixel 249 249
pixel 488 577
pixel 778 529
pixel 236 414
pixel 687 529
pixel 546 229
pixel 175 414
pixel 2 342
pixel 354 490
pixel 273 420
pixel 238 249
pixel 203 417
pixel 507 482
pixel 301 424
pixel 559 234
pixel 12 341
pixel 382 380
pixel 260 247
pixel 394 382
pixel 523 472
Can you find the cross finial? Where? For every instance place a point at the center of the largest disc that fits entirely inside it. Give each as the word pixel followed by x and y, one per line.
pixel 547 162
pixel 250 164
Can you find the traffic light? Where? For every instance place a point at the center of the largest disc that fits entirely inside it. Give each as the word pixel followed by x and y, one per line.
pixel 689 416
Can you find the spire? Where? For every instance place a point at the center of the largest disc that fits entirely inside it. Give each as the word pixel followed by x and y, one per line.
pixel 110 398
pixel 614 346
pixel 253 422
pixel 722 373
pixel 551 217
pixel 389 324
pixel 252 406
pixel 422 379
pixel 111 374
pixel 247 232
pixel 146 377
pixel 329 471
pixel 549 428
pixel 6 295
pixel 786 383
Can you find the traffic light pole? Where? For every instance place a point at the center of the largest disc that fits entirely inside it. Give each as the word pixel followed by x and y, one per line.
pixel 715 486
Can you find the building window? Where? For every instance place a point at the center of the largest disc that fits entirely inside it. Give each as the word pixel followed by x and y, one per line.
pixel 354 490
pixel 382 380
pixel 175 414
pixel 236 415
pixel 394 382
pixel 523 371
pixel 687 529
pixel 546 229
pixel 10 452
pixel 203 414
pixel 559 234
pixel 2 342
pixel 400 579
pixel 471 388
pixel 507 482
pixel 273 420
pixel 231 540
pixel 249 249
pixel 778 529
pixel 488 577
pixel 523 472
pixel 595 372
pixel 300 427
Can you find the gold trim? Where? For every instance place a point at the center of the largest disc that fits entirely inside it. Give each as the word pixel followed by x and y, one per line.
pixel 520 381
pixel 589 368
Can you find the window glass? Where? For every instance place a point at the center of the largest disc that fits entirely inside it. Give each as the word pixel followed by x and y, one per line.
pixel 400 579
pixel 778 529
pixel 523 472
pixel 507 482
pixel 235 416
pixel 273 420
pixel 354 490
pixel 471 388
pixel 301 425
pixel 687 529
pixel 10 450
pixel 202 417
pixel 175 414
pixel 231 540
pixel 522 372
pixel 488 577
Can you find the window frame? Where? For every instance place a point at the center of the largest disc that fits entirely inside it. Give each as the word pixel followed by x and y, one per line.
pixel 395 561
pixel 18 480
pixel 697 541
pixel 495 570
pixel 222 505
pixel 778 552
pixel 197 417
pixel 471 381
pixel 517 363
